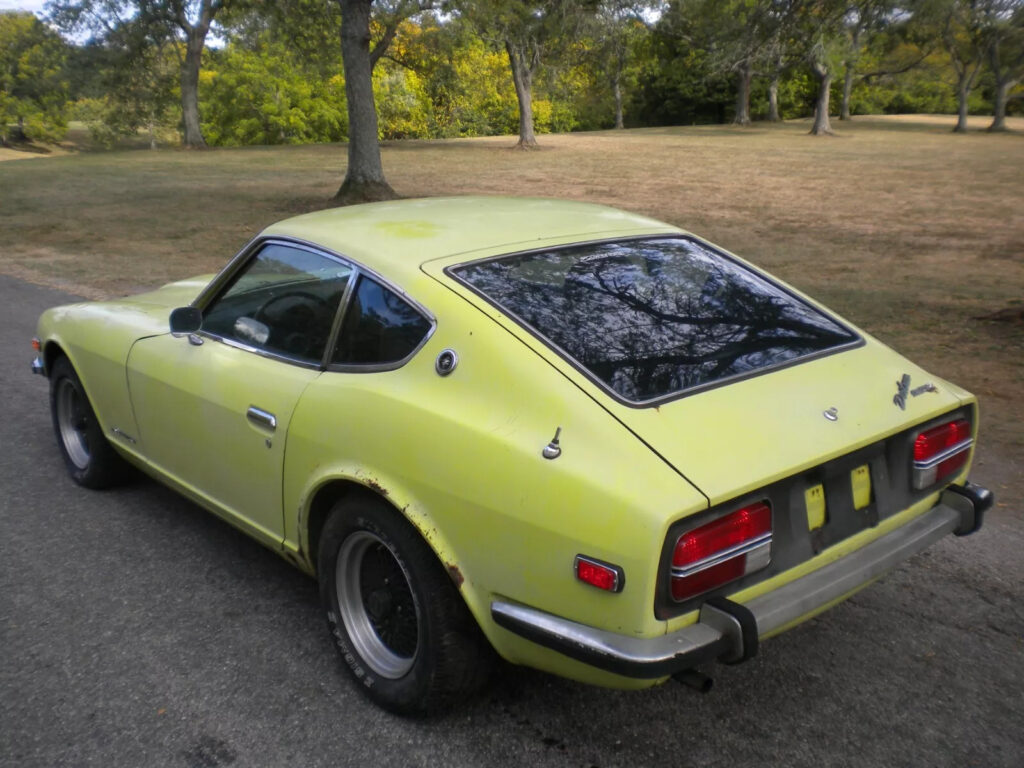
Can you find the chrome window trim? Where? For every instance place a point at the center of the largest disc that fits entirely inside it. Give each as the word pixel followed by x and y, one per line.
pixel 949 453
pixel 254 246
pixel 746 547
pixel 857 341
pixel 234 343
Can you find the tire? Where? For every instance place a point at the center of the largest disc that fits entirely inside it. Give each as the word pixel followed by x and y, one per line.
pixel 91 461
pixel 401 627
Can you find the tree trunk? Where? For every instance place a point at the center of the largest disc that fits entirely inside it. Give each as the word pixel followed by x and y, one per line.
pixel 193 137
pixel 844 111
pixel 773 99
pixel 743 78
pixel 999 109
pixel 364 178
pixel 962 92
pixel 822 126
pixel 617 92
pixel 522 77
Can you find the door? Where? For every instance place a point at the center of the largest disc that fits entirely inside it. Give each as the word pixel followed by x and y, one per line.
pixel 213 408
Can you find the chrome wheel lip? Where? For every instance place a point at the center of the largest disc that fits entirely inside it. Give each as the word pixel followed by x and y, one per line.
pixel 368 644
pixel 70 407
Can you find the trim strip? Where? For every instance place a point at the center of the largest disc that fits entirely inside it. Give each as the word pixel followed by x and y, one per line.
pixel 949 453
pixel 762 541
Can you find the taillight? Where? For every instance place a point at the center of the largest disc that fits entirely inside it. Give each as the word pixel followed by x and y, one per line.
pixel 722 551
pixel 940 452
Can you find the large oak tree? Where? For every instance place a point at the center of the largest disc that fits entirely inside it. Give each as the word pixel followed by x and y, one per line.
pixel 364 177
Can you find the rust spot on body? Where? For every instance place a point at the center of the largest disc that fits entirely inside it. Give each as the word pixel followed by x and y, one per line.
pixel 455 574
pixel 374 485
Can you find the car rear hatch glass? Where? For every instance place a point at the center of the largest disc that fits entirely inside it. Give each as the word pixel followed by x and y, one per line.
pixel 650 319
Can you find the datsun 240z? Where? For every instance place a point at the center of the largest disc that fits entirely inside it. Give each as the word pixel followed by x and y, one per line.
pixel 583 439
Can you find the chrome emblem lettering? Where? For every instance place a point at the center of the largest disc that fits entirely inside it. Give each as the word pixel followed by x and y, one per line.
pixel 903 389
pixel 832 414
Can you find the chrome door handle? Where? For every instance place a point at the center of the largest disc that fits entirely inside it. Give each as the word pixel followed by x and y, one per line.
pixel 261 417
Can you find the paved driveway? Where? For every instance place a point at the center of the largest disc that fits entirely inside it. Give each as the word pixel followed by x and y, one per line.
pixel 138 630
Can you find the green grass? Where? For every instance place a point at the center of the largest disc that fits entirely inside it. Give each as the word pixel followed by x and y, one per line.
pixel 906 229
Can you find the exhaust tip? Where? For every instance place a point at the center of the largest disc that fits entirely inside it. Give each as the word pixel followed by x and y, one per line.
pixel 694 679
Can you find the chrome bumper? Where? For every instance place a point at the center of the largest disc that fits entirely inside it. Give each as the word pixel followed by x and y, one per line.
pixel 38 366
pixel 729 631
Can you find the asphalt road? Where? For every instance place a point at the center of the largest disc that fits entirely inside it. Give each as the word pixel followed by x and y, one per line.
pixel 138 630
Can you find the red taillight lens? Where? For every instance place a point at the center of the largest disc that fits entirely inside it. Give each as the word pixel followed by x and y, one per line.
pixel 934 441
pixel 940 452
pixel 37 345
pixel 722 551
pixel 601 575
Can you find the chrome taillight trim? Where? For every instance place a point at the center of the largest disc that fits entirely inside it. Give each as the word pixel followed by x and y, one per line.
pixel 949 453
pixel 764 541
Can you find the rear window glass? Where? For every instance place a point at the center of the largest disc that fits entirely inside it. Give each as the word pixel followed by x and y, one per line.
pixel 653 318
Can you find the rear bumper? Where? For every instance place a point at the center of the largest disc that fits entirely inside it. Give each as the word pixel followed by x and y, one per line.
pixel 729 631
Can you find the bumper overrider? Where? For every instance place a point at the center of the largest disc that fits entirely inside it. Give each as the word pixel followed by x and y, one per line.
pixel 728 631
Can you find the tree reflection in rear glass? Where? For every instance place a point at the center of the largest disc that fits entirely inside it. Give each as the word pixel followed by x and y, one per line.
pixel 652 318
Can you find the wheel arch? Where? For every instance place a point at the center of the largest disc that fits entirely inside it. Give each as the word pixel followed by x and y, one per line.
pixel 332 490
pixel 52 349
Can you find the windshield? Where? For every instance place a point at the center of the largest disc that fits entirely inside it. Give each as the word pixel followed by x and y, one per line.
pixel 652 318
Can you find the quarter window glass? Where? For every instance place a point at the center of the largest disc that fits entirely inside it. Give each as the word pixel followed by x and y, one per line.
pixel 379 327
pixel 283 301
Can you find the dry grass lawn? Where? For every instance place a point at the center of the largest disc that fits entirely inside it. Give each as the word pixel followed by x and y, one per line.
pixel 908 230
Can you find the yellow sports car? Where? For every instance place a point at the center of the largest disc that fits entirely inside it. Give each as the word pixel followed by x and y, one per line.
pixel 576 436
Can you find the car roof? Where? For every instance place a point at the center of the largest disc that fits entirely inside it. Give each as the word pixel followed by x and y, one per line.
pixel 395 238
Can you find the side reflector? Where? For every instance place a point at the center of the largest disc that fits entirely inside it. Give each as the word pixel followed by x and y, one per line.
pixel 606 576
pixel 722 551
pixel 941 452
pixel 36 345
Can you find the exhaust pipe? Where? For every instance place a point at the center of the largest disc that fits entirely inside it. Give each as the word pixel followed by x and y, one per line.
pixel 692 678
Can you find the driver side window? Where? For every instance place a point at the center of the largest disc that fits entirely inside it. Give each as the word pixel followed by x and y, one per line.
pixel 283 301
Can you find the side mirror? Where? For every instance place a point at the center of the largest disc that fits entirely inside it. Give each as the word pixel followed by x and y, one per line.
pixel 186 320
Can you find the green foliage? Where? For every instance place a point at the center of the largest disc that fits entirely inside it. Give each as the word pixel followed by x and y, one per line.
pixel 33 81
pixel 140 89
pixel 267 96
pixel 403 106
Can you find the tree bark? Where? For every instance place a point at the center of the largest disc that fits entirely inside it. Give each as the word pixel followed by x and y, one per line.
pixel 522 78
pixel 193 132
pixel 844 110
pixel 773 99
pixel 617 92
pixel 822 126
pixel 999 108
pixel 743 78
pixel 963 91
pixel 364 176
